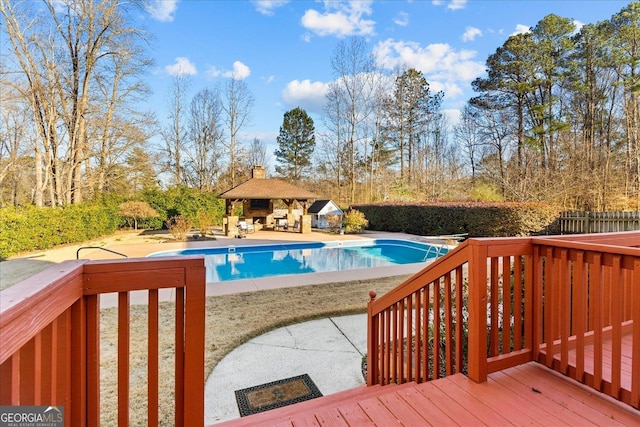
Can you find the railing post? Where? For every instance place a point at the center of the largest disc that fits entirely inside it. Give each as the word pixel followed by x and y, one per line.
pixel 477 301
pixel 372 342
pixel 194 335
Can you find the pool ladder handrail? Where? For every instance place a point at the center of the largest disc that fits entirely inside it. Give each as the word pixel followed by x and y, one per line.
pixel 438 250
pixel 101 248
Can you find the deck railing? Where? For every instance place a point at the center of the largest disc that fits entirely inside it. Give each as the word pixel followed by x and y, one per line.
pixel 50 335
pixel 491 304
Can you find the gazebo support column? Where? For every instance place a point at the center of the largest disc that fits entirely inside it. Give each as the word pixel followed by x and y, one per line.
pixel 305 224
pixel 230 221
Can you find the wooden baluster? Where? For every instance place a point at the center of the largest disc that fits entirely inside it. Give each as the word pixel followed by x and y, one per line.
pixel 580 309
pixel 152 358
pixel 549 301
pixel 402 340
pixel 179 359
pixel 93 359
pixel 597 299
pixel 494 298
pixel 387 346
pixel 436 329
pixel 448 326
pixel 564 312
pixel 425 328
pixel 506 304
pixel 459 319
pixel 410 338
pixel 123 358
pixel 617 306
pixel 517 303
pixel 418 336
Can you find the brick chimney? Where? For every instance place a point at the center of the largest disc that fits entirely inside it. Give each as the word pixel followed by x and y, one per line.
pixel 257 172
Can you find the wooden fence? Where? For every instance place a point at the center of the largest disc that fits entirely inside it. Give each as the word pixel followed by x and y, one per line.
pixel 598 222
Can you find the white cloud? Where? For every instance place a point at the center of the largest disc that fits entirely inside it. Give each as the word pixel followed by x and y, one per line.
pixel 182 67
pixel 340 18
pixel 213 72
pixel 239 72
pixel 578 26
pixel 457 4
pixel 452 4
pixel 521 29
pixel 444 68
pixel 306 94
pixel 162 10
pixel 266 7
pixel 401 19
pixel 471 33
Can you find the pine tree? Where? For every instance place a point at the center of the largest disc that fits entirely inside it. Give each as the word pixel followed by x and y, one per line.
pixel 296 143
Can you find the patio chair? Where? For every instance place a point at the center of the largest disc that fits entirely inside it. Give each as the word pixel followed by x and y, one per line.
pixel 244 228
pixel 281 224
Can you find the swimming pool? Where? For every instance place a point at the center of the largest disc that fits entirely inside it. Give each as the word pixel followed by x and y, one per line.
pixel 257 261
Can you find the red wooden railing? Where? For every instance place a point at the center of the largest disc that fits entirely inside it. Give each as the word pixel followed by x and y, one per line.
pixel 50 336
pixel 491 304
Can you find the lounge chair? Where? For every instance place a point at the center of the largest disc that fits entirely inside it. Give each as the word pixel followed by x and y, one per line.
pixel 281 224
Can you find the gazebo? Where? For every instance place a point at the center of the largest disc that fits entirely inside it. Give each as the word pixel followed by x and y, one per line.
pixel 257 195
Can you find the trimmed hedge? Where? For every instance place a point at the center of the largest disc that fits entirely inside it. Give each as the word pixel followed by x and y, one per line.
pixel 475 219
pixel 30 228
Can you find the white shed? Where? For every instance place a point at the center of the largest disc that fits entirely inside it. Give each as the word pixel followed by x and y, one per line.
pixel 320 211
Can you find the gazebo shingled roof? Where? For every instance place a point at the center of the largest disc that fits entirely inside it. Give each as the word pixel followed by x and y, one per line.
pixel 257 188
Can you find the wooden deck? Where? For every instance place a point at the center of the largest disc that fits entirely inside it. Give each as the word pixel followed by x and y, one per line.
pixel 529 394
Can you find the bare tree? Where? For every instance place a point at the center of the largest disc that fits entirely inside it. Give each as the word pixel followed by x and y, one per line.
pixel 257 153
pixel 466 135
pixel 174 134
pixel 350 108
pixel 14 158
pixel 206 137
pixel 59 48
pixel 118 127
pixel 238 106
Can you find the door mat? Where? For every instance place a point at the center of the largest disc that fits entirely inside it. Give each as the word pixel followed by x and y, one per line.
pixel 276 394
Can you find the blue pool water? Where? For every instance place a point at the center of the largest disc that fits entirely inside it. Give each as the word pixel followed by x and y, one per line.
pixel 250 262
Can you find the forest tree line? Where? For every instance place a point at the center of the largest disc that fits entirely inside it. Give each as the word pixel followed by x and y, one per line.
pixel 555 119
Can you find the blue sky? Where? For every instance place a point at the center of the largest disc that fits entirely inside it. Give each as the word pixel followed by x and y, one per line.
pixel 283 49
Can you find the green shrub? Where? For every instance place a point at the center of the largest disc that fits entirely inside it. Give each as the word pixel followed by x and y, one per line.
pixel 354 221
pixel 182 201
pixel 474 219
pixel 29 228
pixel 205 222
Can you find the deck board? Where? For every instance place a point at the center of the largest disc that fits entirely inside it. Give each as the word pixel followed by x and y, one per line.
pixel 356 415
pixel 430 412
pixel 549 415
pixel 593 401
pixel 529 394
pixel 512 403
